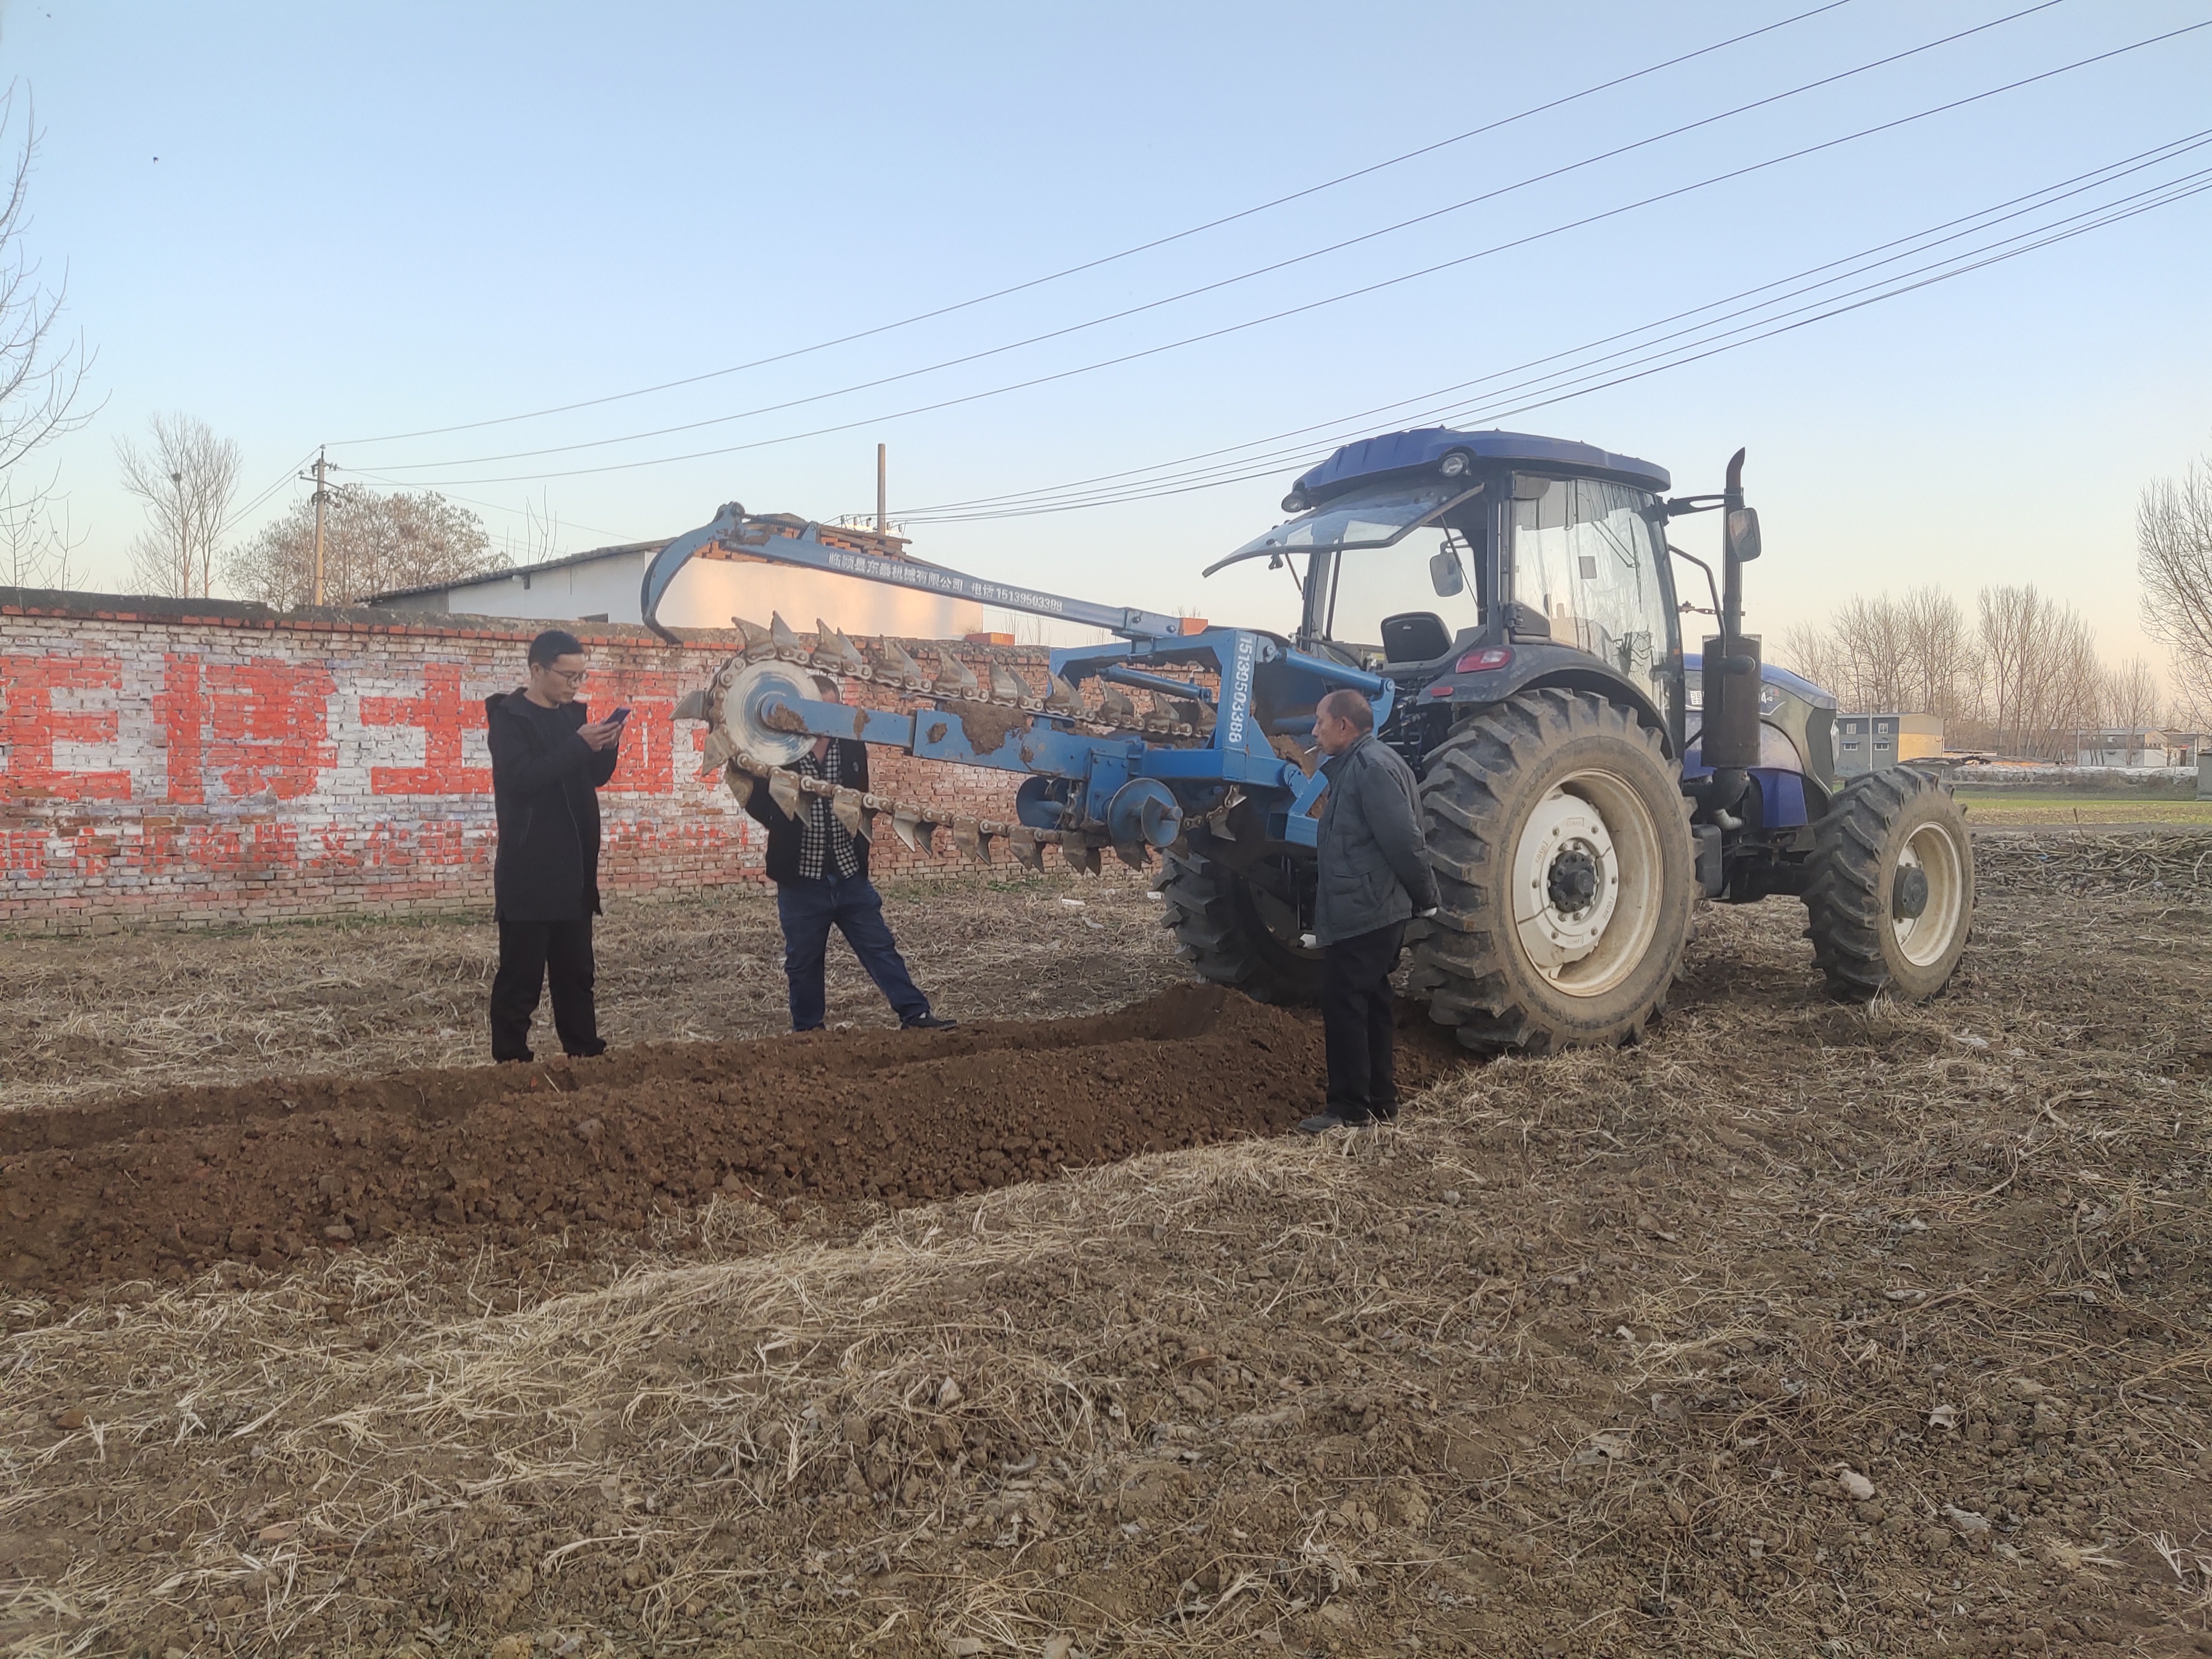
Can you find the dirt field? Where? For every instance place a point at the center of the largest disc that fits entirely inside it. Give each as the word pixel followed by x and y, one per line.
pixel 2011 808
pixel 1796 1329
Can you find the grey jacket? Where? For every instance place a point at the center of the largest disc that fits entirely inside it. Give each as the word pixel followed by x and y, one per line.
pixel 1374 858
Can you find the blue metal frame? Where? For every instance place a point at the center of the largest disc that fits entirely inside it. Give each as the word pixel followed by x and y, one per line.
pixel 733 531
pixel 1118 774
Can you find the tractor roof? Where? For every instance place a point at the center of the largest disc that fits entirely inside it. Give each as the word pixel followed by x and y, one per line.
pixel 1397 452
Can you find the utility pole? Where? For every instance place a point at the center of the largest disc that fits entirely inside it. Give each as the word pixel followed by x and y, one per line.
pixel 883 522
pixel 322 495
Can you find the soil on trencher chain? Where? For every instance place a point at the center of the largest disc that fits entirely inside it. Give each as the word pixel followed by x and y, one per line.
pixel 163 1185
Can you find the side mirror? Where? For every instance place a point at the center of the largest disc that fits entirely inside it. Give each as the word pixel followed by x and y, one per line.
pixel 1445 576
pixel 1743 534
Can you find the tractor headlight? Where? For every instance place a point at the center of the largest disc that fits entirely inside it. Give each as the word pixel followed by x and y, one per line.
pixel 1295 503
pixel 1456 464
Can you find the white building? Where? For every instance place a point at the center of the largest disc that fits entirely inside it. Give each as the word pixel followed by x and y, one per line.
pixel 604 586
pixel 2140 748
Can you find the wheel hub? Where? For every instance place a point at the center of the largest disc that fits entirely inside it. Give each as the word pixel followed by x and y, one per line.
pixel 1574 878
pixel 1928 895
pixel 1566 882
pixel 1908 899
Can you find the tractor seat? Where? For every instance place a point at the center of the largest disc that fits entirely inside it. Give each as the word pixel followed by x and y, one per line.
pixel 1415 636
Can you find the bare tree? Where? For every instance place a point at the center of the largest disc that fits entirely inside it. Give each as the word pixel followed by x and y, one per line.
pixel 372 543
pixel 2132 699
pixel 1941 666
pixel 2173 562
pixel 37 540
pixel 187 481
pixel 42 375
pixel 1809 649
pixel 2043 683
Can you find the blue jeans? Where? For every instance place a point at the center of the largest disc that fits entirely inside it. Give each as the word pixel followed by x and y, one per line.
pixel 806 909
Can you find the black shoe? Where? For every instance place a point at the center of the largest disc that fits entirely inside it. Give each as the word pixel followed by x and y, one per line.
pixel 927 1022
pixel 1322 1122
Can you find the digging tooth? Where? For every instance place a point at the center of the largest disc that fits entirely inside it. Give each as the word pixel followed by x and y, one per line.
pixel 906 825
pixel 783 790
pixel 780 634
pixel 692 706
pixel 756 637
pixel 1006 685
pixel 839 649
pixel 717 749
pixel 866 828
pixel 899 664
pixel 954 679
pixel 969 838
pixel 1131 852
pixel 1023 844
pixel 845 807
pixel 1080 856
pixel 1116 705
pixel 1063 699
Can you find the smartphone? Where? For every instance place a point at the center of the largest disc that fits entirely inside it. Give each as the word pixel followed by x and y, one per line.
pixel 619 715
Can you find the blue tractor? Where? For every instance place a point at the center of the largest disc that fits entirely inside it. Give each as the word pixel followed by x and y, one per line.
pixel 1508 604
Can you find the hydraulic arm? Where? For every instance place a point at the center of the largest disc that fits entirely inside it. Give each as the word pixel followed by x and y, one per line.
pixel 1227 713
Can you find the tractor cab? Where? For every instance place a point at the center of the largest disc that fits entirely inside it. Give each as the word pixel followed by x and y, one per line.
pixel 1468 565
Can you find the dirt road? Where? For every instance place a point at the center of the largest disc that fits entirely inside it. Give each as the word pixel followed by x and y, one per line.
pixel 1796 1329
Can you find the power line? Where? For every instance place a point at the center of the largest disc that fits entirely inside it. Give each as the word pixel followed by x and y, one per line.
pixel 1355 293
pixel 2190 185
pixel 1124 254
pixel 286 477
pixel 1544 177
pixel 1104 485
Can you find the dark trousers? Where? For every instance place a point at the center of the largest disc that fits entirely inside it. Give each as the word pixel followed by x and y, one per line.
pixel 1357 1015
pixel 807 909
pixel 531 953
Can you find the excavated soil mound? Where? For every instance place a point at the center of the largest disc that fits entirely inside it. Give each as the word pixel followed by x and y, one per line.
pixel 169 1183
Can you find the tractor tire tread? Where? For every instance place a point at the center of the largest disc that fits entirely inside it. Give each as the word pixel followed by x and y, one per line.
pixel 1460 965
pixel 1846 911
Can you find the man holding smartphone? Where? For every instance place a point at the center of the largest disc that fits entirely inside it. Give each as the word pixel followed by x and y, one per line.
pixel 549 761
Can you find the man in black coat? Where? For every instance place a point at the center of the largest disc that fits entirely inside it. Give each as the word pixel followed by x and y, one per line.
pixel 549 761
pixel 1375 878
pixel 820 870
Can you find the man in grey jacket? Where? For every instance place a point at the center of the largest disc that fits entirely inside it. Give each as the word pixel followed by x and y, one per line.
pixel 1375 878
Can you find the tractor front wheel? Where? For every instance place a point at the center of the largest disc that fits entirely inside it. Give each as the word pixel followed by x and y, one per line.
pixel 1560 840
pixel 1235 930
pixel 1891 896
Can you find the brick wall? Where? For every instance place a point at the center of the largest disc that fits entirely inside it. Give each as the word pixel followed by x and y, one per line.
pixel 200 762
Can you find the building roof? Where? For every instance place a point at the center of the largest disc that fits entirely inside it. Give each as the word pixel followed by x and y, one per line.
pixel 892 547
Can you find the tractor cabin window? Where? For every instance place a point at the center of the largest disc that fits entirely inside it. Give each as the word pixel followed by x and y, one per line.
pixel 1433 569
pixel 1585 556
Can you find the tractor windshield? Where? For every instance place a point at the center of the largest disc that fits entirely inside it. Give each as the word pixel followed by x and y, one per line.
pixel 1366 518
pixel 1432 571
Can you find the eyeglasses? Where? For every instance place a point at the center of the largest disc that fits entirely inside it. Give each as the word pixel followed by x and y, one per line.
pixel 576 678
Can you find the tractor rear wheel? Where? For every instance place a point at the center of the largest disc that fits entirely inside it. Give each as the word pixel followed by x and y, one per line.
pixel 1234 932
pixel 1891 896
pixel 1560 840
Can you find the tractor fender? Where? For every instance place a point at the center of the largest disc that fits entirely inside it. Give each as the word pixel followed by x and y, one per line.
pixel 1535 665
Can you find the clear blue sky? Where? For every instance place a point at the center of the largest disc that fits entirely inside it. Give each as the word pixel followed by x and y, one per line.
pixel 367 220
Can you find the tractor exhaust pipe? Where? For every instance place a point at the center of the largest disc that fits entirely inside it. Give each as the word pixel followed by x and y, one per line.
pixel 1728 738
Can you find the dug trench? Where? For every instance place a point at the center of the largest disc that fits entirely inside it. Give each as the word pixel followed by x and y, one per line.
pixel 166 1185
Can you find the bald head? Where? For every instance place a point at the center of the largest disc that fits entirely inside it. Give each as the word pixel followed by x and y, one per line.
pixel 1340 720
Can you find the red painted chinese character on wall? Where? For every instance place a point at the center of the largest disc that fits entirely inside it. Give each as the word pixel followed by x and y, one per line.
pixel 647 766
pixel 30 726
pixel 261 726
pixel 443 715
